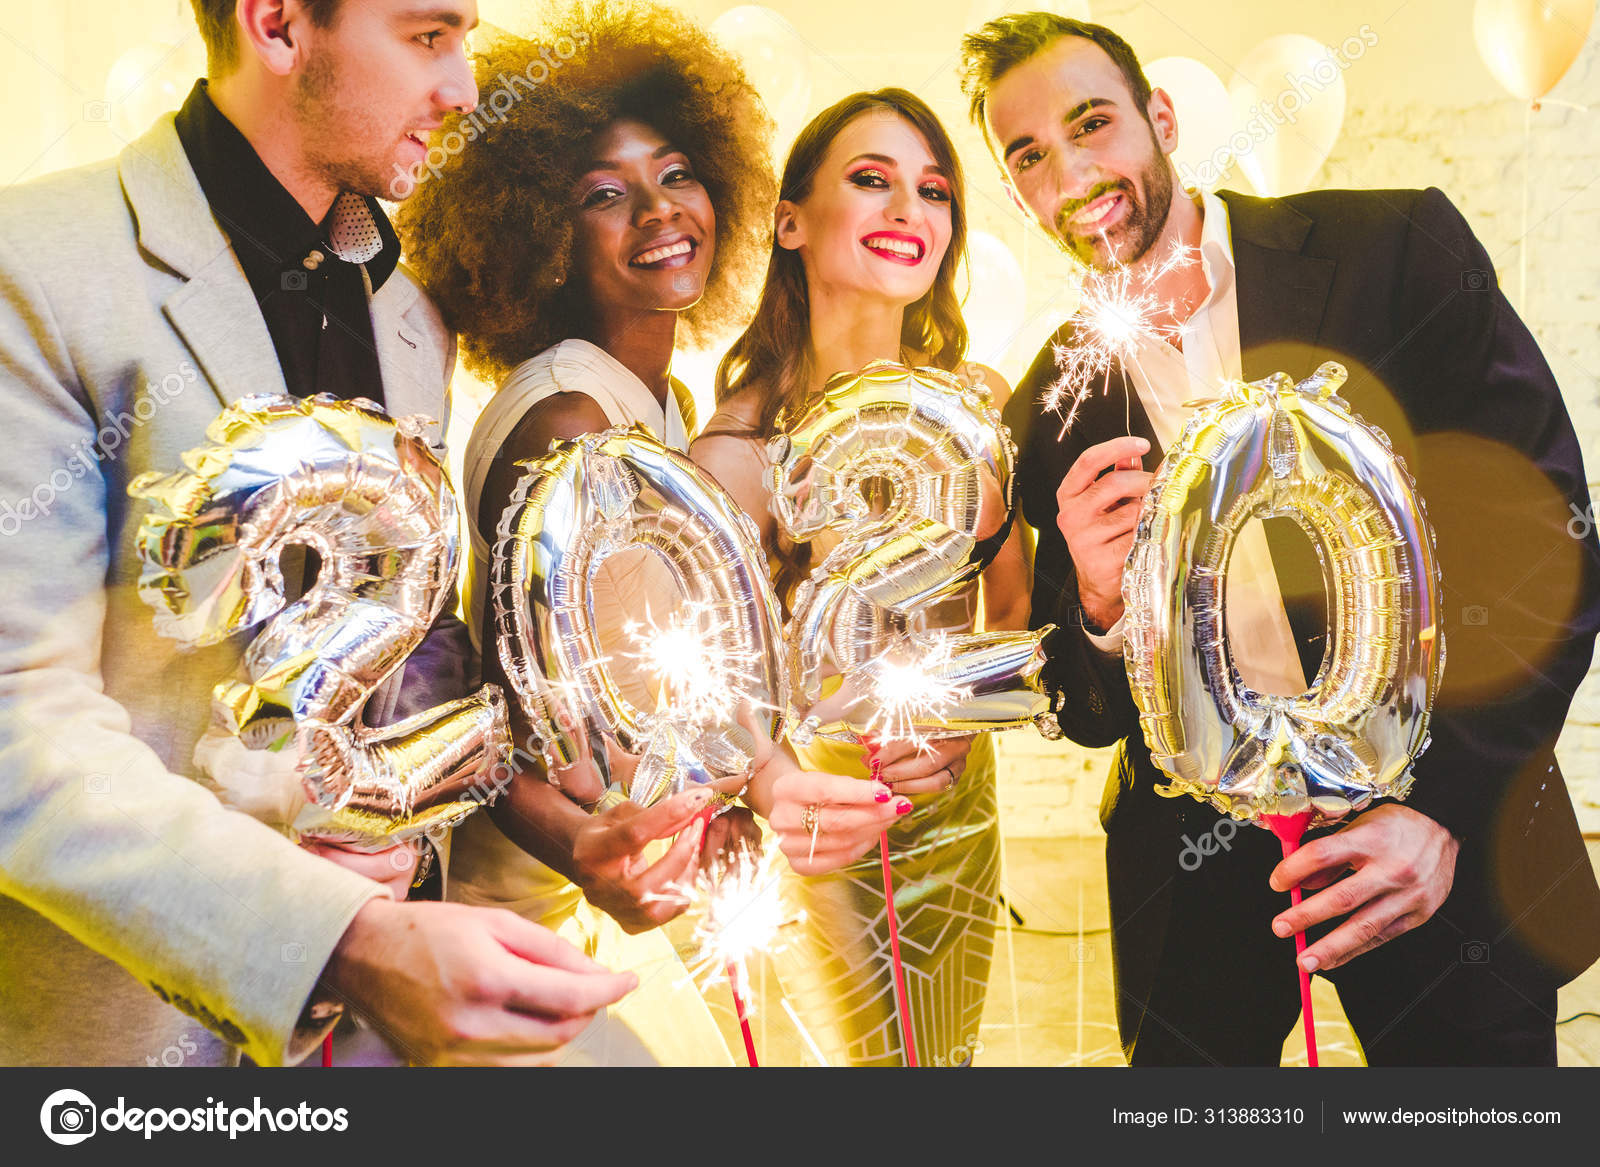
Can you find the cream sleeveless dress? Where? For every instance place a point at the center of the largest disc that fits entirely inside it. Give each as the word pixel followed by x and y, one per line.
pixel 664 1021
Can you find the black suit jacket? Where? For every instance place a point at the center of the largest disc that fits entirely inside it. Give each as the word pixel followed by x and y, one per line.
pixel 1394 285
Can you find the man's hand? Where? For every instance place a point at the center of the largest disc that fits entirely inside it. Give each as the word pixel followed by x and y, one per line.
pixel 610 867
pixel 394 867
pixel 1402 865
pixel 909 769
pixel 449 984
pixel 1096 514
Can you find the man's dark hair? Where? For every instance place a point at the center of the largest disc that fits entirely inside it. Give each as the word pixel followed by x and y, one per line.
pixel 1007 41
pixel 220 31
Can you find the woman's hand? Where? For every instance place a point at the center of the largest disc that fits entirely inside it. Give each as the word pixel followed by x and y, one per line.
pixel 825 821
pixel 910 769
pixel 609 863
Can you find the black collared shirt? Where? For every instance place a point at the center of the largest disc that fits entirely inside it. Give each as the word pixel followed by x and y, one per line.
pixel 314 303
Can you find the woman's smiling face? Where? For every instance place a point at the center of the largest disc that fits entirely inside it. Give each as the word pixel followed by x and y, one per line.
pixel 645 232
pixel 878 215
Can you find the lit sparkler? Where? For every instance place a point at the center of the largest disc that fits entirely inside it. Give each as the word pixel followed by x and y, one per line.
pixel 702 683
pixel 1117 312
pixel 907 691
pixel 739 911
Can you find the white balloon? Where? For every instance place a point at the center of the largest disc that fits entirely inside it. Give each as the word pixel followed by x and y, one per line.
pixel 1205 118
pixel 998 297
pixel 777 60
pixel 1288 100
pixel 150 79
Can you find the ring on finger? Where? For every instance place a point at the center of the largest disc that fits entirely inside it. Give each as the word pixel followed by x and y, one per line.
pixel 810 821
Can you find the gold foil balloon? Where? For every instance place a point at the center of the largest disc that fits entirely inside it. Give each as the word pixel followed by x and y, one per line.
pixel 1274 448
pixel 367 494
pixel 939 451
pixel 722 643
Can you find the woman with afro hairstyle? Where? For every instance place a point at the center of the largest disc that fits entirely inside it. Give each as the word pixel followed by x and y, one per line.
pixel 870 234
pixel 610 196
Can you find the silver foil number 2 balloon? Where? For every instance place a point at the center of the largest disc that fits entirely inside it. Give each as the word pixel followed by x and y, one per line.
pixel 367 494
pixel 944 457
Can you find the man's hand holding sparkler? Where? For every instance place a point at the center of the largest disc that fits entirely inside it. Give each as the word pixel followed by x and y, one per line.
pixel 732 833
pixel 1098 506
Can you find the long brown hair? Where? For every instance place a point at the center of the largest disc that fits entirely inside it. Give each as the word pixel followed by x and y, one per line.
pixel 773 355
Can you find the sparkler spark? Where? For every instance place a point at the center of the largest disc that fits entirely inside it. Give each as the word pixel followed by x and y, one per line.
pixel 1116 313
pixel 739 911
pixel 917 690
pixel 702 682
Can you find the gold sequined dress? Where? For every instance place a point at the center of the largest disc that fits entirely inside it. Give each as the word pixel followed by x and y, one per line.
pixel 836 968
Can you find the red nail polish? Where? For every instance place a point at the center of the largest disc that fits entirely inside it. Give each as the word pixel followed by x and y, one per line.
pixel 882 796
pixel 903 806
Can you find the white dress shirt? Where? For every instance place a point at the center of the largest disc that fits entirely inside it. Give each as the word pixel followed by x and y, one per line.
pixel 1170 383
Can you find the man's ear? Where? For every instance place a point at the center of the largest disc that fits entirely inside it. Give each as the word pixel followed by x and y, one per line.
pixel 1163 120
pixel 272 30
pixel 1016 199
pixel 787 230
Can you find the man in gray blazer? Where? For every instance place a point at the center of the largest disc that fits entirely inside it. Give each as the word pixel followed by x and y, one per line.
pixel 138 297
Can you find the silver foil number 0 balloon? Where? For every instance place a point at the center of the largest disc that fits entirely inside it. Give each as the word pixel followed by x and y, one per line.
pixel 367 494
pixel 1274 448
pixel 581 504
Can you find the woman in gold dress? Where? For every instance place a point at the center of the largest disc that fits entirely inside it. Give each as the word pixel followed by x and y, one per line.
pixel 869 232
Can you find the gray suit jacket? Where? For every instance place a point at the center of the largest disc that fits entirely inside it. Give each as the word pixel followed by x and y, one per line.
pixel 139 915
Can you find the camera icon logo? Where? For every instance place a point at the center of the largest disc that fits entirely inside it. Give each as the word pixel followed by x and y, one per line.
pixel 1474 616
pixel 1475 280
pixel 292 281
pixel 293 953
pixel 68 1117
pixel 97 111
pixel 1474 952
pixel 97 784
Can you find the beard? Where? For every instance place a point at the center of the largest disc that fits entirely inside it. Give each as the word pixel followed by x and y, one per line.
pixel 1149 203
pixel 341 134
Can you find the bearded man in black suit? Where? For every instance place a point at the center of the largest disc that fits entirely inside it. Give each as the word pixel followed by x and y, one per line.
pixel 1448 921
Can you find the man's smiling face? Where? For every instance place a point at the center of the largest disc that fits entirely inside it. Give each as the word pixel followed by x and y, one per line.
pixel 1081 154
